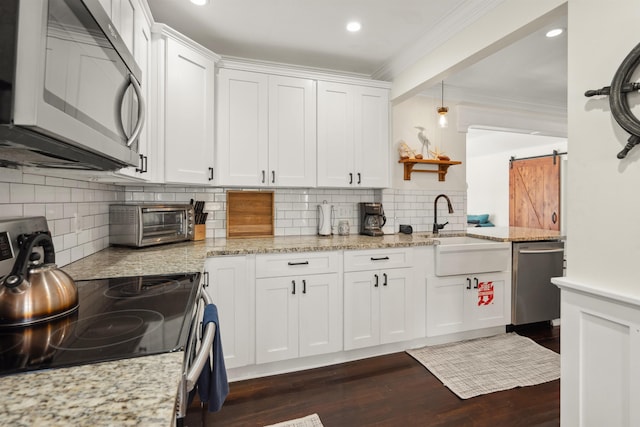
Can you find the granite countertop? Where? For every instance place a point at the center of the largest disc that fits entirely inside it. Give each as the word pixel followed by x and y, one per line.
pixel 514 234
pixel 144 390
pixel 190 256
pixel 131 392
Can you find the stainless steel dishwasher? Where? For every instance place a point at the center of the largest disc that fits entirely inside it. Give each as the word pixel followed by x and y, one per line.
pixel 534 297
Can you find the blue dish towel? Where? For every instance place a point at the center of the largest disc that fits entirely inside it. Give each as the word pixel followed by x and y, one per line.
pixel 213 386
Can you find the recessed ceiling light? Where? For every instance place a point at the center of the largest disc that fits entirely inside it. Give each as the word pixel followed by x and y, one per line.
pixel 555 32
pixel 200 2
pixel 353 26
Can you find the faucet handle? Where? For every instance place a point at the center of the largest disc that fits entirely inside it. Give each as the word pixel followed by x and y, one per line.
pixel 441 226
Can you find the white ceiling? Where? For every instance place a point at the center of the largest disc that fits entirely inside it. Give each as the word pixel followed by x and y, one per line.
pixel 531 73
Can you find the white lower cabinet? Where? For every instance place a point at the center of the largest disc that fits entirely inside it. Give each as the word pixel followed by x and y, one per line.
pixel 229 284
pixel 468 302
pixel 377 307
pixel 298 314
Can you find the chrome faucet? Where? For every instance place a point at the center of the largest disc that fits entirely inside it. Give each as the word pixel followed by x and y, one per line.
pixel 437 227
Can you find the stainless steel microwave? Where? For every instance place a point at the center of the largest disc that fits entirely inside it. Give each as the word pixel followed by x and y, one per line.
pixel 69 88
pixel 140 225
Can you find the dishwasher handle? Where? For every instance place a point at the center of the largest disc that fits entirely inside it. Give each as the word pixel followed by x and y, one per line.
pixel 540 251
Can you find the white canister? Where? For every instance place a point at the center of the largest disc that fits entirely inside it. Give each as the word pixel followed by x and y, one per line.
pixel 325 218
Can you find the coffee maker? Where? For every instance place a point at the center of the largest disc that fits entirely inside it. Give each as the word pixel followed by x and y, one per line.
pixel 372 219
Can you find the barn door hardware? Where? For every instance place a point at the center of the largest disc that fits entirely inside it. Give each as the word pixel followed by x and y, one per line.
pixel 555 155
pixel 617 92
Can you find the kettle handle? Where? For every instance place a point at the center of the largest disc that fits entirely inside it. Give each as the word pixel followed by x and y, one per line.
pixel 21 266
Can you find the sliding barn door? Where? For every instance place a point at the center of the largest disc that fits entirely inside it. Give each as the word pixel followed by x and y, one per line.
pixel 534 193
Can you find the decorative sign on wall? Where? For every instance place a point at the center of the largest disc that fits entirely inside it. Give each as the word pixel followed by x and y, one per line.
pixel 617 92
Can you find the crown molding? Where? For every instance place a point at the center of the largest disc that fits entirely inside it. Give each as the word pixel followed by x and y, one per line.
pixel 454 22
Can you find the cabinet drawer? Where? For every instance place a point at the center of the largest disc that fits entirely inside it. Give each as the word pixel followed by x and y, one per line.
pixel 378 258
pixel 296 263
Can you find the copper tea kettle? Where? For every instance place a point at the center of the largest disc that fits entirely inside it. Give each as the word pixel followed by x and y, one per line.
pixel 34 293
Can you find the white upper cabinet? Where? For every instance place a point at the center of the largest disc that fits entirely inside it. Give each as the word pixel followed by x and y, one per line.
pixel 186 109
pixel 353 136
pixel 123 16
pixel 266 129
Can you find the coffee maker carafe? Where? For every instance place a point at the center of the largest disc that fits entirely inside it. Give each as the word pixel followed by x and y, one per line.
pixel 372 219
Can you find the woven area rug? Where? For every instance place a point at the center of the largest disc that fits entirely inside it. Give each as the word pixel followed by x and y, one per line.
pixel 485 365
pixel 308 421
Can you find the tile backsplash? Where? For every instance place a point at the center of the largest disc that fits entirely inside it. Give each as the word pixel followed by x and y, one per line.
pixel 77 211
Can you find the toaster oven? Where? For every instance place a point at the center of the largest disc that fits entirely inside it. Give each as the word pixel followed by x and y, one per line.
pixel 140 225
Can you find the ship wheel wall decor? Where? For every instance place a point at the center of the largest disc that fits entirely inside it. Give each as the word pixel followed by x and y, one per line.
pixel 617 92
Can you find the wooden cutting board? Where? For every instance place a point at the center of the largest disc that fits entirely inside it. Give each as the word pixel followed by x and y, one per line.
pixel 250 214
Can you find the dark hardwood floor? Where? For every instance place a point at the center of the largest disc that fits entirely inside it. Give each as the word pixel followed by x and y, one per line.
pixel 391 390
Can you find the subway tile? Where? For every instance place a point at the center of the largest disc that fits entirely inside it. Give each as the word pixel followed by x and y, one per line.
pixel 22 193
pixel 13 209
pixel 54 211
pixel 33 179
pixel 5 196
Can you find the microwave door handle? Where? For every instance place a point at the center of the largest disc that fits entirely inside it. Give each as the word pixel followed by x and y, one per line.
pixel 141 111
pixel 203 352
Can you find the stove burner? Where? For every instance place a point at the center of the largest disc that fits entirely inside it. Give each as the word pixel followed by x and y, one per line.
pixel 142 288
pixel 111 329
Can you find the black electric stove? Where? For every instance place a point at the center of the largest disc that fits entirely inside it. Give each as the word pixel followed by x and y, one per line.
pixel 117 318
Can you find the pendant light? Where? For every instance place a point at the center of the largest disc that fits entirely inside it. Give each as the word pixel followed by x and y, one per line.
pixel 442 110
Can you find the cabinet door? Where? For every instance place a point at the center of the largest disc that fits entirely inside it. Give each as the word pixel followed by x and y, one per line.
pixel 123 17
pixel 335 135
pixel 446 304
pixel 189 115
pixel 488 303
pixel 320 314
pixel 396 313
pixel 242 128
pixel 371 124
pixel 228 287
pixel 361 310
pixel 276 319
pixel 292 132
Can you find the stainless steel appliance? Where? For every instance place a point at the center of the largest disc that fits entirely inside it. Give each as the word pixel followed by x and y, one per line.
pixel 372 219
pixel 534 297
pixel 140 225
pixel 69 88
pixel 116 318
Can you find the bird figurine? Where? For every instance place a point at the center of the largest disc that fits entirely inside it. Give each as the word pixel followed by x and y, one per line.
pixel 423 140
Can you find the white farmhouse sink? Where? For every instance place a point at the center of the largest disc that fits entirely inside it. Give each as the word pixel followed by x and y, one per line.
pixel 470 255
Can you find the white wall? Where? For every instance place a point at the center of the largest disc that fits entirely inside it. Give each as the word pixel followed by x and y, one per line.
pixel 603 204
pixel 488 154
